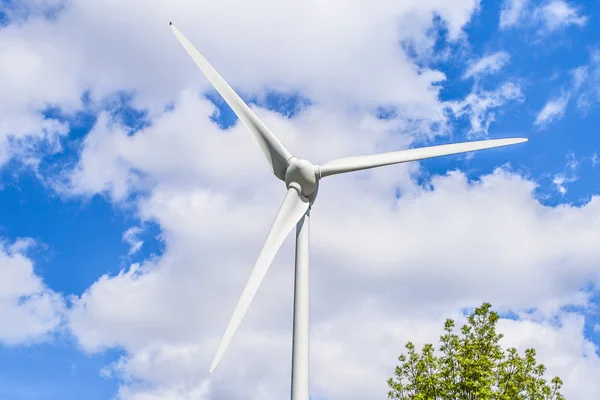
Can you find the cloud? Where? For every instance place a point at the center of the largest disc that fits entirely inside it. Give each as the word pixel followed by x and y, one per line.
pixel 478 105
pixel 195 393
pixel 561 346
pixel 511 12
pixel 568 175
pixel 365 286
pixel 584 86
pixel 548 16
pixel 487 65
pixel 580 75
pixel 53 62
pixel 558 14
pixel 34 75
pixel 146 311
pixel 29 310
pixel 553 110
pixel 374 256
pixel 587 82
pixel 20 11
pixel 130 236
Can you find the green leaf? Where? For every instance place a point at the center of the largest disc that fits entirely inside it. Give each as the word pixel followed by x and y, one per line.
pixel 471 366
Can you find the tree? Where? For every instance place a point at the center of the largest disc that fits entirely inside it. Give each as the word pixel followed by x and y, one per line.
pixel 472 366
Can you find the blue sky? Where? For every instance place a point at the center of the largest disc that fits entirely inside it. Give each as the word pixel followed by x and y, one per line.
pixel 78 224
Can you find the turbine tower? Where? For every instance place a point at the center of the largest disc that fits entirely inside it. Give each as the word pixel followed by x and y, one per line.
pixel 302 179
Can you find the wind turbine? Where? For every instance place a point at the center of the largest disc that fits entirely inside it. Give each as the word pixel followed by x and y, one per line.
pixel 302 179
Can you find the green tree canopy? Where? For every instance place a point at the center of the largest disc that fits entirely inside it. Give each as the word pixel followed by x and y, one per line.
pixel 471 366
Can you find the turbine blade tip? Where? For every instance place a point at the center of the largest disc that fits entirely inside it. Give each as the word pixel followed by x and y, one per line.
pixel 516 140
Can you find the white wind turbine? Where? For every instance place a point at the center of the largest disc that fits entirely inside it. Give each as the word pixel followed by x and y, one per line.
pixel 302 181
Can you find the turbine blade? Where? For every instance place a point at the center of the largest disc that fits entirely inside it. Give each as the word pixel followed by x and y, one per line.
pixel 275 153
pixel 349 164
pixel 292 209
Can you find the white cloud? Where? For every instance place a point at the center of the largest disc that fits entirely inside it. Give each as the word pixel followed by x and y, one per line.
pixel 130 236
pixel 488 64
pixel 22 10
pixel 553 110
pixel 34 75
pixel 365 286
pixel 511 13
pixel 478 105
pixel 548 16
pixel 559 181
pixel 569 174
pixel 136 391
pixel 557 14
pixel 374 257
pixel 561 346
pixel 29 310
pixel 580 75
pixel 586 82
pixel 584 86
pixel 51 63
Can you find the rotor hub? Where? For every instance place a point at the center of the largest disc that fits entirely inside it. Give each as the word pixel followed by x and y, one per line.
pixel 302 174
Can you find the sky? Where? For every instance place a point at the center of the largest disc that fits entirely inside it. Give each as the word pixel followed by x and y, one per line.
pixel 133 204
